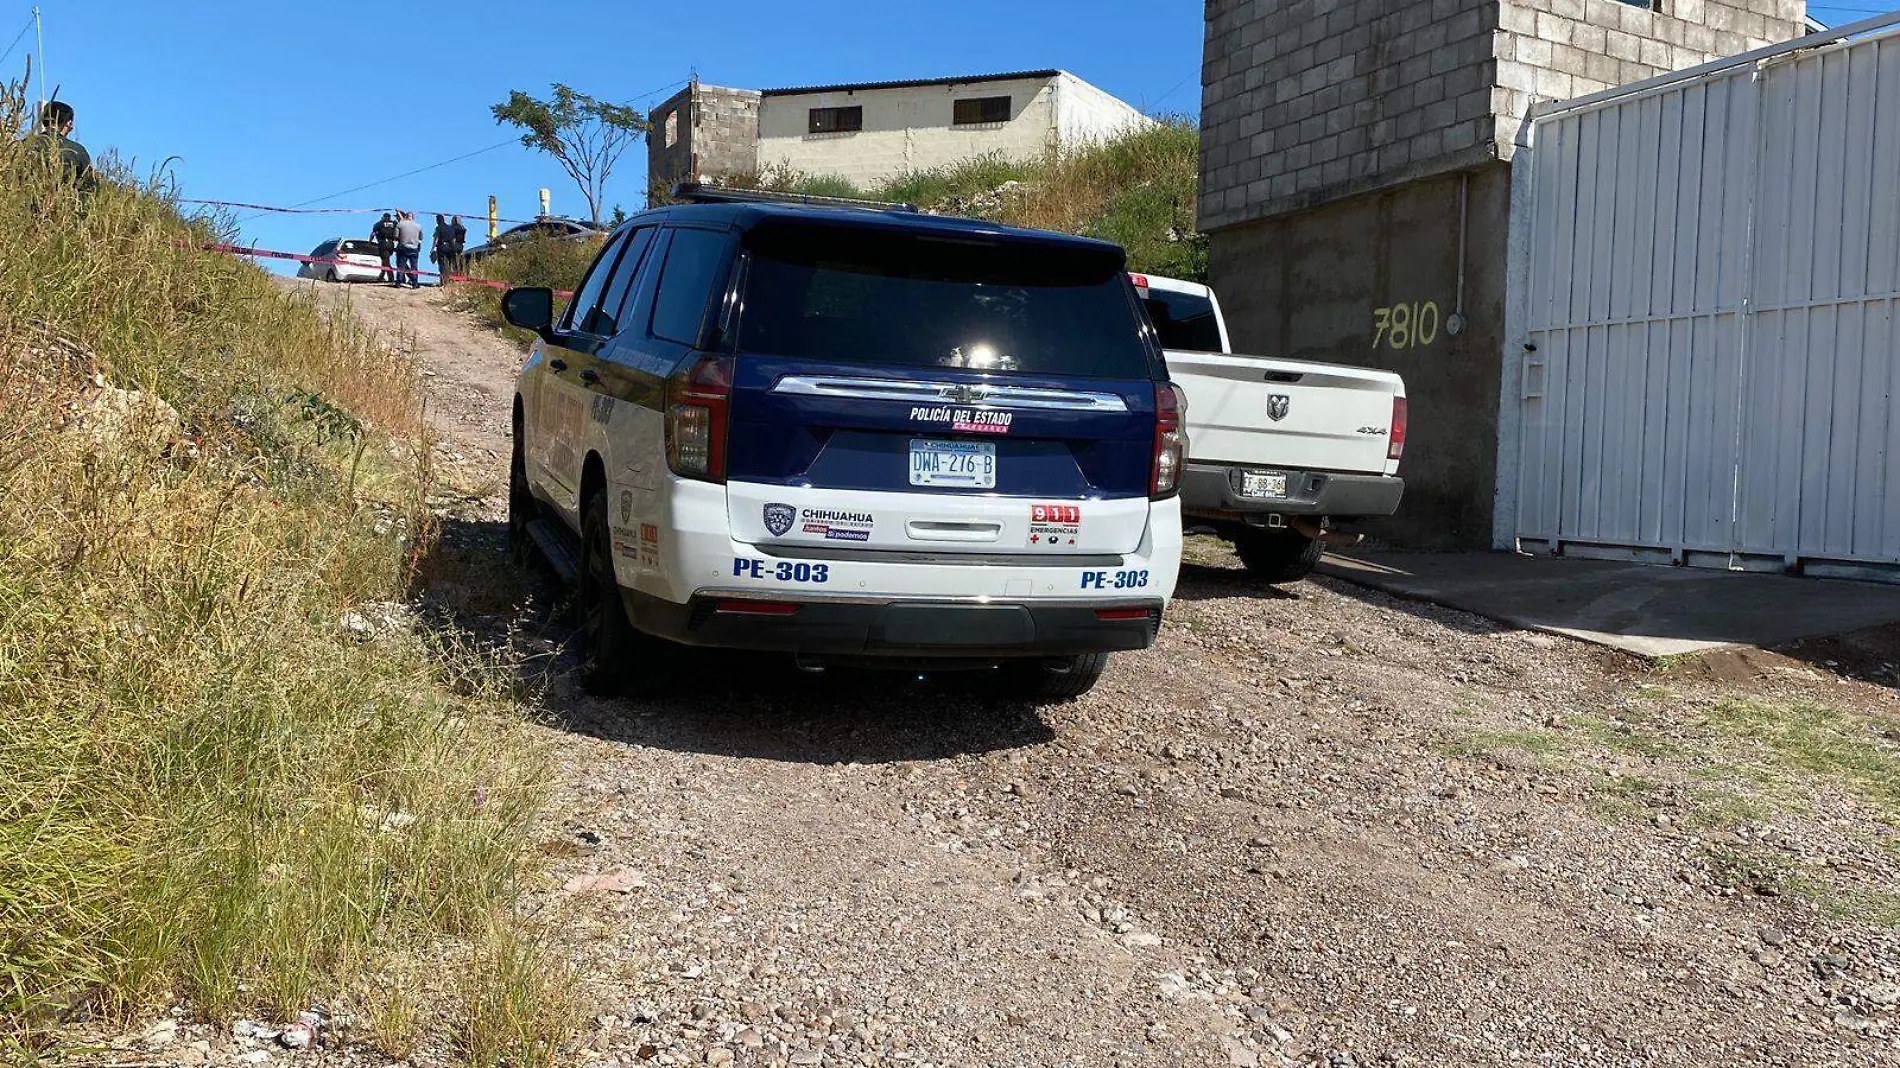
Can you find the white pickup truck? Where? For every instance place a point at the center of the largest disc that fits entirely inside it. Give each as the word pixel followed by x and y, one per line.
pixel 1277 449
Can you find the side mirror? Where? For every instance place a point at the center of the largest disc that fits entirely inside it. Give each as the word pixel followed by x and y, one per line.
pixel 530 308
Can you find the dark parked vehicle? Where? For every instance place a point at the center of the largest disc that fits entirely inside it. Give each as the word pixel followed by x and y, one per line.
pixel 547 226
pixel 851 433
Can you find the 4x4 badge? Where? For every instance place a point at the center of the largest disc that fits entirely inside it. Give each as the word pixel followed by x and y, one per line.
pixel 1277 405
pixel 779 518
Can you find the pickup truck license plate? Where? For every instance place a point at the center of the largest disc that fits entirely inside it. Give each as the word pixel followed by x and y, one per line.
pixel 1262 484
pixel 964 464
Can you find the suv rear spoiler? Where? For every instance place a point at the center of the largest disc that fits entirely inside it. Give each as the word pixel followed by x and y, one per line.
pixel 701 193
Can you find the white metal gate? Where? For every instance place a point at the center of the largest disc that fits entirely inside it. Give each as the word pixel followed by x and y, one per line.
pixel 1704 293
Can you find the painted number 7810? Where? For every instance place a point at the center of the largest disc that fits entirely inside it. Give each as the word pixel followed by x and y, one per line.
pixel 1404 326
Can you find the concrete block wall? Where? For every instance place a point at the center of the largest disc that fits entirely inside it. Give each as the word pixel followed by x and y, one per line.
pixel 701 131
pixel 1309 101
pixel 669 141
pixel 726 130
pixel 1311 285
pixel 906 129
pixel 1559 49
pixel 1312 100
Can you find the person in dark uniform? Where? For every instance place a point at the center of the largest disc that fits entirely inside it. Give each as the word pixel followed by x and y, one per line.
pixel 438 252
pixel 55 135
pixel 384 234
pixel 450 239
pixel 461 243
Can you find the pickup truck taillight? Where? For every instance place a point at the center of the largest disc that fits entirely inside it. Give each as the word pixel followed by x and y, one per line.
pixel 698 401
pixel 1170 440
pixel 1395 446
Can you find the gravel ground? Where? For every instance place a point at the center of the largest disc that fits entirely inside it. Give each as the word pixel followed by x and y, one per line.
pixel 1312 826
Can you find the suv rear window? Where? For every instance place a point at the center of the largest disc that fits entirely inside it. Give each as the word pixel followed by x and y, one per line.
pixel 844 294
pixel 1183 320
pixel 359 248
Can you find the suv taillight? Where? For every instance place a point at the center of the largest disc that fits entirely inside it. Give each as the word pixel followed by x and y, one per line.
pixel 698 400
pixel 1170 450
pixel 1396 442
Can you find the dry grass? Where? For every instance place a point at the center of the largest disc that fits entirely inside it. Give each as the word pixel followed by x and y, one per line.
pixel 519 1012
pixel 209 790
pixel 554 263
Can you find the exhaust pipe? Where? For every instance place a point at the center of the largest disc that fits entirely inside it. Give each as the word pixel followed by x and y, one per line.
pixel 1317 531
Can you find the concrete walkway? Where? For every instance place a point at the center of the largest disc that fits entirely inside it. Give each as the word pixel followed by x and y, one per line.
pixel 1646 609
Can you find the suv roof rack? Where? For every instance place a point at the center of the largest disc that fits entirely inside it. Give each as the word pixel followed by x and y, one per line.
pixel 701 193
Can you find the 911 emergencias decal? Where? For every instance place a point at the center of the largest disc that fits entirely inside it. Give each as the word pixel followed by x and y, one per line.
pixel 1054 524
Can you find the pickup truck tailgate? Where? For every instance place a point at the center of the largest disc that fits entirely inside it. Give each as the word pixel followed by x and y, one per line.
pixel 1286 413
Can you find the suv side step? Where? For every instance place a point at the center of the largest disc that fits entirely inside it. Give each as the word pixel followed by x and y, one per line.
pixel 559 547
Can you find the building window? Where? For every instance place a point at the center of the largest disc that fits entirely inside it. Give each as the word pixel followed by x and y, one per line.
pixel 983 109
pixel 836 120
pixel 672 128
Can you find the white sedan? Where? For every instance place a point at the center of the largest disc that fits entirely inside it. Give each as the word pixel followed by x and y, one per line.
pixel 344 260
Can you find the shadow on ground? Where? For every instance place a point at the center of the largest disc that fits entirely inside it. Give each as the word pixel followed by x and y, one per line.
pixel 723 703
pixel 1213 582
pixel 760 707
pixel 1650 610
pixel 1217 582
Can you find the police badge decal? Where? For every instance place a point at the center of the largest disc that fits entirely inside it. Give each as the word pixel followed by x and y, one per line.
pixel 779 518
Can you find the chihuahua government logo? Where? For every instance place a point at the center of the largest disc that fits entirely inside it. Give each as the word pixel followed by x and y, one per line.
pixel 779 518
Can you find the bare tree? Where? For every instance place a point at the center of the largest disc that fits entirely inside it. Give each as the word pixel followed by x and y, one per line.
pixel 584 135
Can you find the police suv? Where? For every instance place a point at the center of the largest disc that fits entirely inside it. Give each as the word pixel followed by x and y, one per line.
pixel 854 433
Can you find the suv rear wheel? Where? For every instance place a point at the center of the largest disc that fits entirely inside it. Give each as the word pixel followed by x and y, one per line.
pixel 1053 679
pixel 618 660
pixel 1277 555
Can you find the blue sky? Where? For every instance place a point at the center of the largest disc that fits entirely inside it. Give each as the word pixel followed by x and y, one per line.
pixel 279 103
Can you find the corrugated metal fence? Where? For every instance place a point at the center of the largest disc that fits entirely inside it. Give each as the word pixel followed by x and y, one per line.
pixel 1706 302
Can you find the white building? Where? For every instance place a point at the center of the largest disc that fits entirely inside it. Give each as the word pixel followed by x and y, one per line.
pixel 870 132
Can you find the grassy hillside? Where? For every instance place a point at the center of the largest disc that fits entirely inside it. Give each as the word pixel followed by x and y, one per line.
pixel 231 774
pixel 556 264
pixel 1136 190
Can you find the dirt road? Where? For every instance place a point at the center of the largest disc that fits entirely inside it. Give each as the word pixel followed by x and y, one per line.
pixel 1314 826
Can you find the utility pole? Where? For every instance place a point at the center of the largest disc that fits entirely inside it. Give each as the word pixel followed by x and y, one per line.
pixel 494 224
pixel 39 32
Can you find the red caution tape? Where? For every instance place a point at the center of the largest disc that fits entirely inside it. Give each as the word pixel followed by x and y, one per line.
pixel 479 216
pixel 271 254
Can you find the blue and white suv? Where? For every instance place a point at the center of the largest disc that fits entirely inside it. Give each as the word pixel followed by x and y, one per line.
pixel 853 433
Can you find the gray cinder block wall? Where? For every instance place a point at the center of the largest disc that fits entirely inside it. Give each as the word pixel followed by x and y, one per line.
pixel 700 131
pixel 1350 149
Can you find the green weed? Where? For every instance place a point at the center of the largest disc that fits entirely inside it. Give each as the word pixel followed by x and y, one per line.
pixel 209 790
pixel 1788 743
pixel 1544 745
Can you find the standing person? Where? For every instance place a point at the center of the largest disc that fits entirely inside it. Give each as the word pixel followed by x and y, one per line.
pixel 384 234
pixel 458 245
pixel 439 255
pixel 447 250
pixel 408 251
pixel 54 134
